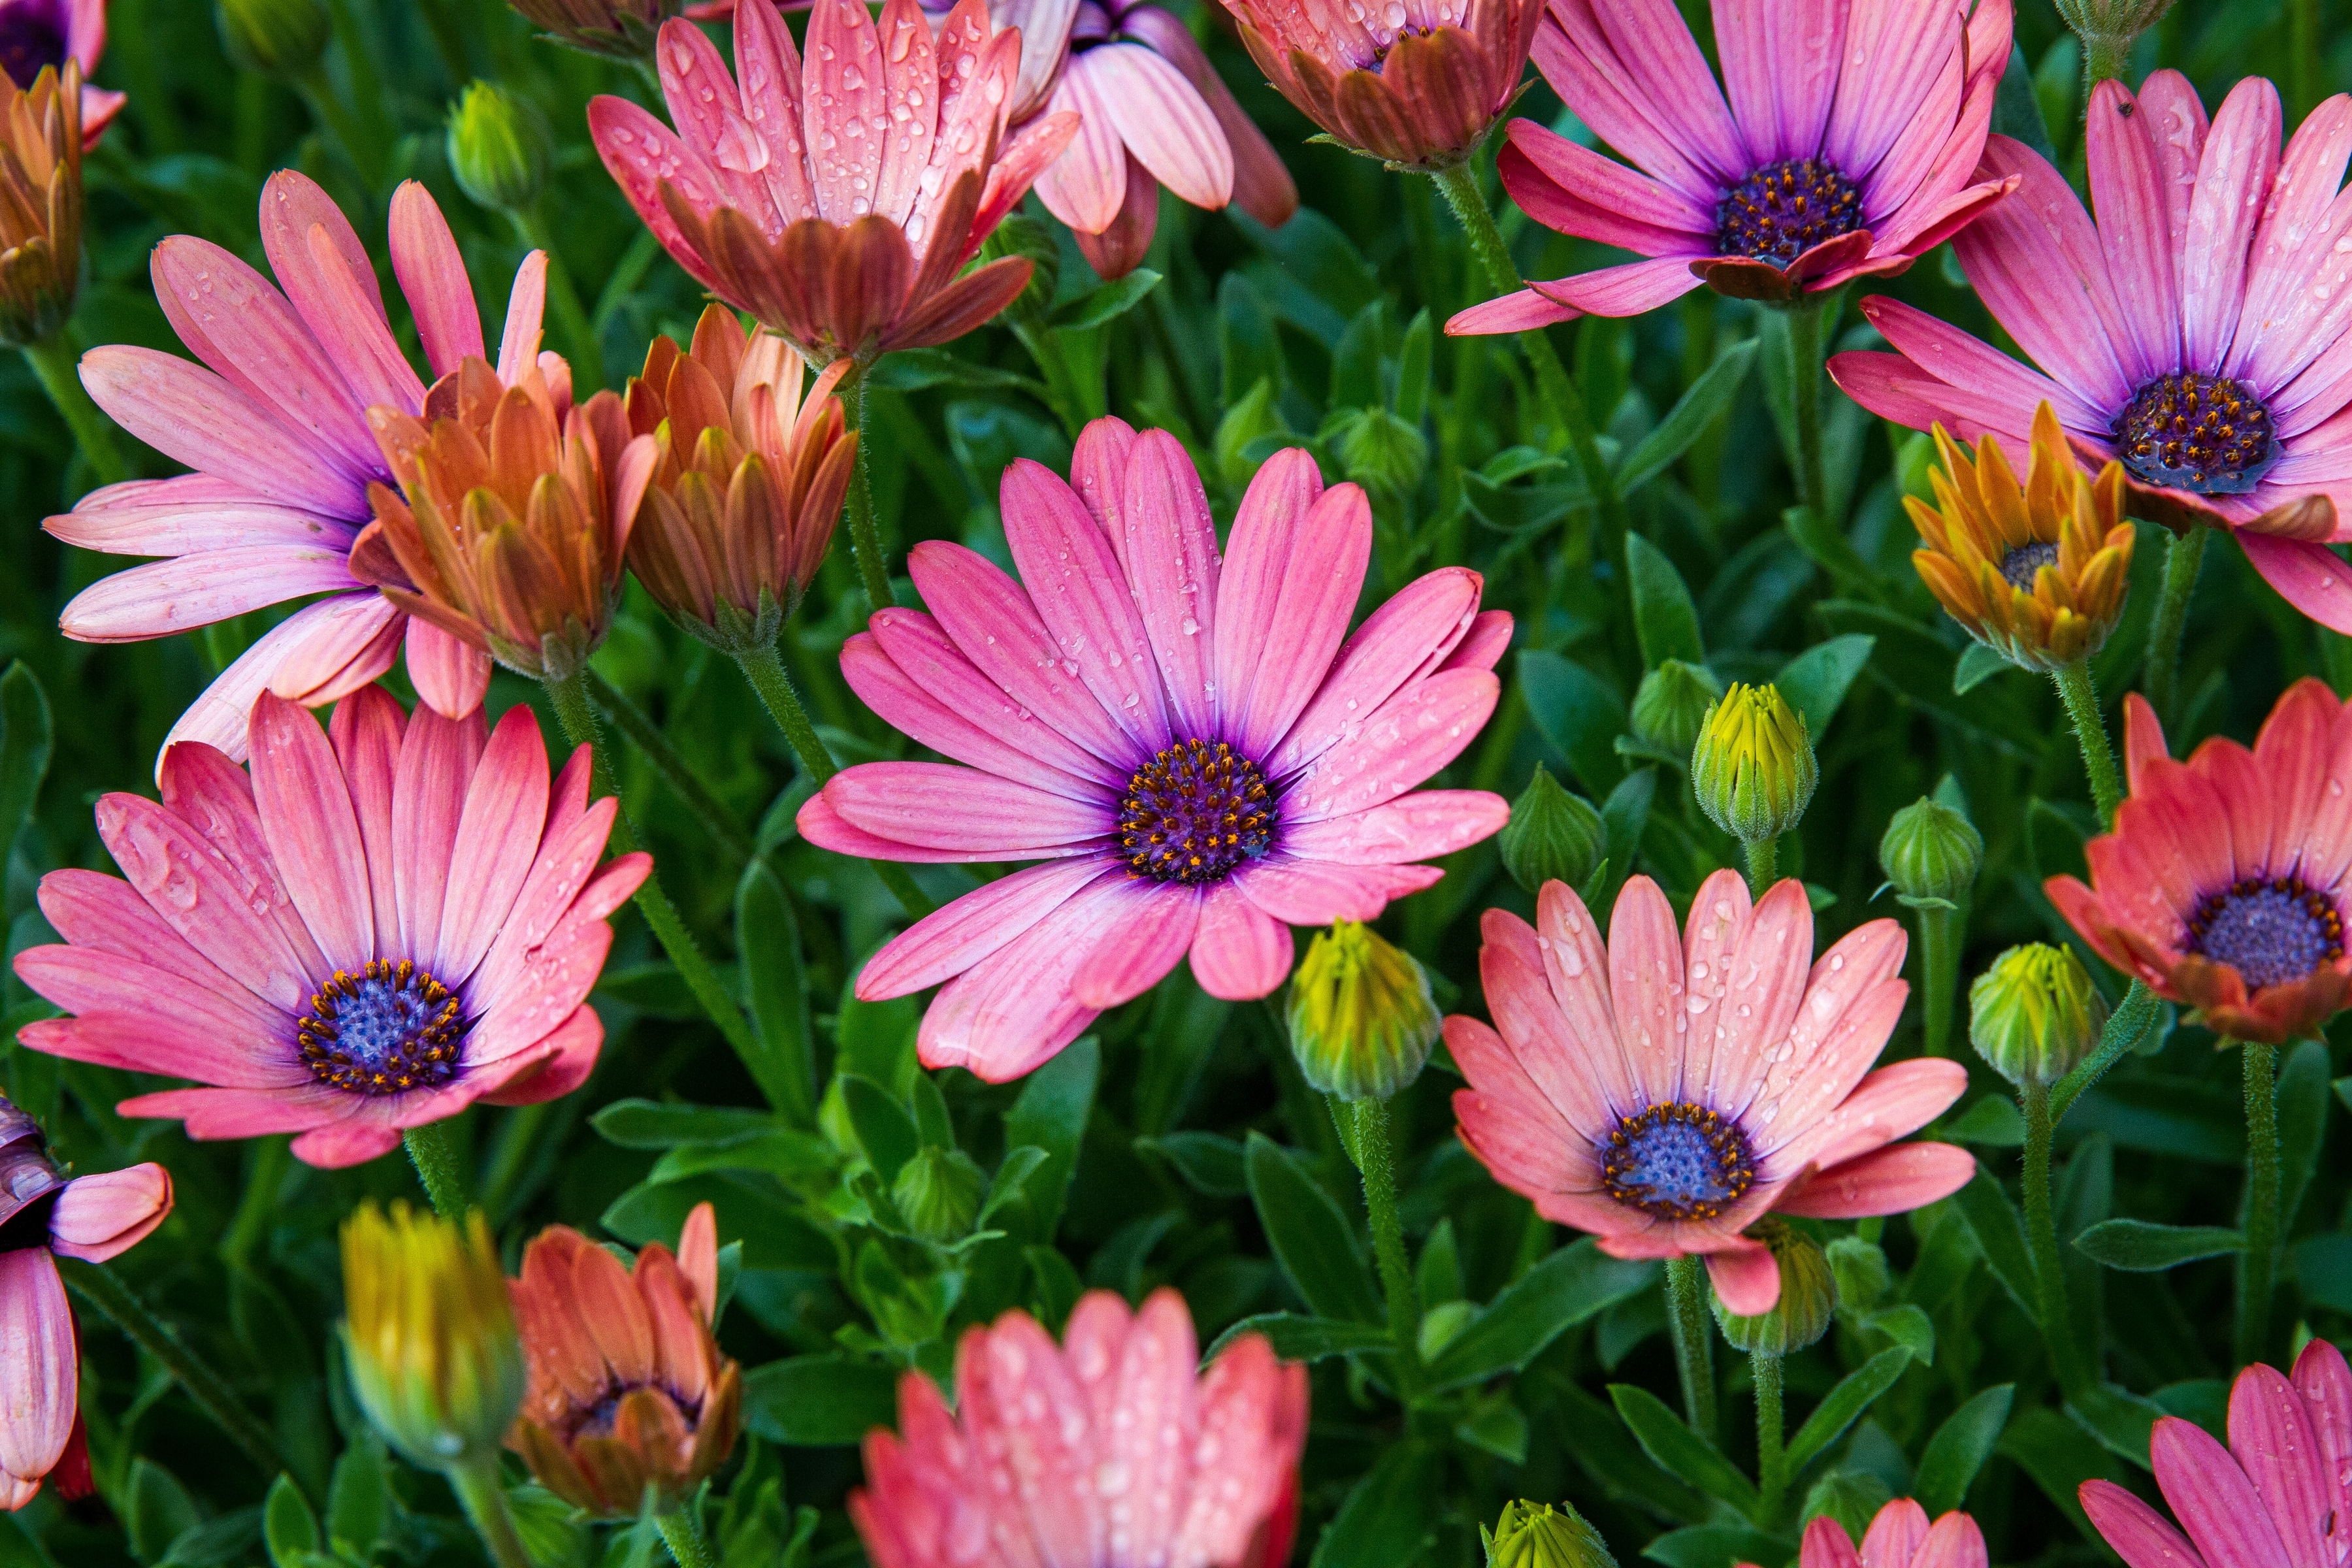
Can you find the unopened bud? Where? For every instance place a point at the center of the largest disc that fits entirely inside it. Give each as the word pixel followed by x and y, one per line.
pixel 937 1193
pixel 1362 1021
pixel 498 148
pixel 431 1335
pixel 275 37
pixel 2120 20
pixel 1541 1535
pixel 1671 704
pixel 1808 1299
pixel 2035 1014
pixel 1753 764
pixel 1554 836
pixel 1931 851
pixel 1381 452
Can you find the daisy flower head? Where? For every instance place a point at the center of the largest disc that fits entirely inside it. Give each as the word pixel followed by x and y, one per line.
pixel 1899 1537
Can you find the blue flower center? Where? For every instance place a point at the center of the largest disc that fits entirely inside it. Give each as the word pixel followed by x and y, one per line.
pixel 2019 564
pixel 1677 1161
pixel 387 1029
pixel 1784 209
pixel 597 1420
pixel 2269 931
pixel 2204 434
pixel 1193 812
pixel 32 35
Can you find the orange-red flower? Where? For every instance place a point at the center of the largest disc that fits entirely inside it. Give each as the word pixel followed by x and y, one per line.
pixel 40 203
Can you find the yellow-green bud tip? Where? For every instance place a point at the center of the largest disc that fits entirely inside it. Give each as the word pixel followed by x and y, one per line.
pixel 1542 1535
pixel 498 148
pixel 1931 851
pixel 1362 1021
pixel 1672 703
pixel 1753 765
pixel 2035 1014
pixel 1808 1295
pixel 431 1336
pixel 1553 835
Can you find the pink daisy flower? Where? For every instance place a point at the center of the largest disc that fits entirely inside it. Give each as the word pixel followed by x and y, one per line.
pixel 1848 149
pixel 2225 881
pixel 2280 1493
pixel 1206 1464
pixel 1669 1089
pixel 1899 1537
pixel 42 1214
pixel 1183 740
pixel 274 422
pixel 2200 331
pixel 35 34
pixel 383 924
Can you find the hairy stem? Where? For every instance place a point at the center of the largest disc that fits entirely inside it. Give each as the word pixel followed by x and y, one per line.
pixel 864 533
pixel 477 1486
pixel 2160 680
pixel 1763 861
pixel 1804 321
pixel 440 1168
pixel 2126 1027
pixel 56 362
pixel 2258 1266
pixel 2091 733
pixel 1376 1161
pixel 1694 1337
pixel 682 1533
pixel 2041 1236
pixel 2105 58
pixel 632 721
pixel 1771 1453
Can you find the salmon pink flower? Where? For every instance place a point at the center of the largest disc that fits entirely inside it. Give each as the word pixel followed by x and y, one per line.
pixel 380 926
pixel 1899 1537
pixel 1666 1091
pixel 34 34
pixel 1848 149
pixel 1183 740
pixel 1207 1463
pixel 783 198
pixel 2277 1494
pixel 275 424
pixel 2226 879
pixel 42 1215
pixel 2199 331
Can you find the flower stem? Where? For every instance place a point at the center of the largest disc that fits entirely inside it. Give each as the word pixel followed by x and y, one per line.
pixel 1687 1321
pixel 485 1501
pixel 2105 57
pixel 570 698
pixel 2160 680
pixel 1939 964
pixel 1376 1161
pixel 1771 1453
pixel 439 1168
pixel 1804 320
pixel 2041 1236
pixel 682 1533
pixel 864 535
pixel 587 355
pixel 2126 1027
pixel 1763 859
pixel 765 671
pixel 707 808
pixel 2091 733
pixel 2258 1266
pixel 56 362
pixel 102 1290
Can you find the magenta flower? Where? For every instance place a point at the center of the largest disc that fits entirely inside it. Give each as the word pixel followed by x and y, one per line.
pixel 39 34
pixel 1848 149
pixel 1184 741
pixel 1106 1448
pixel 275 424
pixel 42 1214
pixel 2200 331
pixel 369 934
pixel 1668 1090
pixel 2280 1493
pixel 1898 1537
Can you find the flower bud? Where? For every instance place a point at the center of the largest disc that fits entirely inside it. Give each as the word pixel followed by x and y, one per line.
pixel 275 37
pixel 498 148
pixel 1362 1021
pixel 1554 836
pixel 617 29
pixel 937 1193
pixel 431 1336
pixel 40 228
pixel 1931 851
pixel 1020 235
pixel 1671 704
pixel 1753 764
pixel 1381 452
pixel 1808 1295
pixel 2035 1014
pixel 1540 1535
pixel 2115 22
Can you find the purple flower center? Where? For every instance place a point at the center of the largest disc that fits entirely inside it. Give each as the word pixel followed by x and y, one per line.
pixel 1677 1161
pixel 32 35
pixel 2204 434
pixel 389 1028
pixel 596 1420
pixel 2020 564
pixel 1193 812
pixel 2269 931
pixel 1784 209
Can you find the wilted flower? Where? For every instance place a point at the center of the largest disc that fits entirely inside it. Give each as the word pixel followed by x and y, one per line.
pixel 1183 739
pixel 2034 1014
pixel 40 204
pixel 1361 1019
pixel 1591 1096
pixel 628 1388
pixel 1554 836
pixel 1539 1535
pixel 278 37
pixel 499 144
pixel 1930 852
pixel 1809 1296
pixel 430 1334
pixel 1672 704
pixel 1753 766
pixel 748 482
pixel 338 979
pixel 49 34
pixel 780 198
pixel 1900 1537
pixel 1019 1463
pixel 2224 882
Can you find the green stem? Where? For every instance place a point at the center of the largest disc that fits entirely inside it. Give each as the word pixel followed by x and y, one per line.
pixel 1377 1161
pixel 586 356
pixel 1693 1336
pixel 1763 859
pixel 2041 1236
pixel 865 534
pixel 765 671
pixel 570 698
pixel 2091 733
pixel 440 1168
pixel 2258 1266
pixel 1804 321
pixel 1939 965
pixel 103 1291
pixel 2126 1027
pixel 1771 1453
pixel 56 362
pixel 258 1209
pixel 2304 51
pixel 2183 552
pixel 708 809
pixel 2105 58
pixel 682 1533
pixel 510 1155
pixel 485 1501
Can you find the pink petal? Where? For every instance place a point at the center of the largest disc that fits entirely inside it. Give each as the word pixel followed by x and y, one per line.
pixel 101 915
pixel 335 292
pixel 2127 189
pixel 1645 987
pixel 570 1061
pixel 105 1216
pixel 1021 160
pixel 1891 1103
pixel 526 308
pixel 1840 1030
pixel 910 83
pixel 346 655
pixel 451 677
pixel 1636 77
pixel 1525 311
pixel 1955 1542
pixel 1240 952
pixel 938 806
pixel 2308 575
pixel 1827 1545
pixel 640 153
pixel 1262 186
pixel 1745 1276
pixel 1779 68
pixel 1099 473
pixel 1484 645
pixel 1319 893
pixel 1896 1179
pixel 1953 356
pixel 211 1114
pixel 1015 1010
pixel 2271 1435
pixel 433 276
pixel 2210 1496
pixel 565 886
pixel 2141 1536
pixel 312 830
pixel 218 717
pixel 946 941
pixel 1142 939
pixel 1507 1122
pixel 340 1145
pixel 1296 565
pixel 198 419
pixel 1633 289
pixel 909 671
pixel 769 67
pixel 1044 46
pixel 40 1372
pixel 1551 1008
pixel 1894 388
pixel 1410 737
pixel 125 1021
pixel 823 826
pixel 1420 826
pixel 172 867
pixel 1745 972
pixel 1896 1536
pixel 1172 567
pixel 192 513
pixel 437 756
pixel 2035 258
pixel 2234 178
pixel 1160 119
pixel 846 95
pixel 366 728
pixel 702 99
pixel 1576 191
pixel 1427 618
pixel 558 980
pixel 1894 57
pixel 166 596
pixel 498 838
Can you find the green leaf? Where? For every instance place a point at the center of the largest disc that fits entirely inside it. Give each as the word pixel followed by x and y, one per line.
pixel 1692 416
pixel 2049 1448
pixel 2017 108
pixel 1310 1238
pixel 1992 1122
pixel 1919 665
pixel 1012 1176
pixel 2122 1421
pixel 1626 816
pixel 1679 1451
pixel 1212 1165
pixel 1855 1394
pixel 819 1401
pixel 1978 665
pixel 2302 1124
pixel 1522 509
pixel 1908 1326
pixel 1413 370
pixel 1299 1338
pixel 1389 1516
pixel 1816 681
pixel 26 740
pixel 1666 622
pixel 1958 1450
pixel 1572 1284
pixel 884 1130
pixel 2001 1236
pixel 2141 1247
pixel 287 1525
pixel 1051 1114
pixel 916 370
pixel 1249 346
pixel 358 1499
pixel 1578 715
pixel 1107 303
pixel 1713 1545
pixel 653 1124
pixel 775 994
pixel 1830 550
pixel 1495 1426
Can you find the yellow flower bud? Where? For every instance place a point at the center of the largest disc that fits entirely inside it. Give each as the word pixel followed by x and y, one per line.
pixel 430 1334
pixel 2035 1014
pixel 1540 1535
pixel 1753 767
pixel 1362 1021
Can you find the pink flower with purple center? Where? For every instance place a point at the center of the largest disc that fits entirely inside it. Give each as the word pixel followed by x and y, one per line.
pixel 43 35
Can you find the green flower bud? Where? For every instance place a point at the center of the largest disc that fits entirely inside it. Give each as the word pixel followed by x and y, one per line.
pixel 275 37
pixel 1672 702
pixel 1381 452
pixel 1808 1295
pixel 498 148
pixel 1931 851
pixel 1020 235
pixel 1540 1535
pixel 1554 836
pixel 431 1335
pixel 937 1193
pixel 1362 1021
pixel 2035 1014
pixel 1753 764
pixel 2118 22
